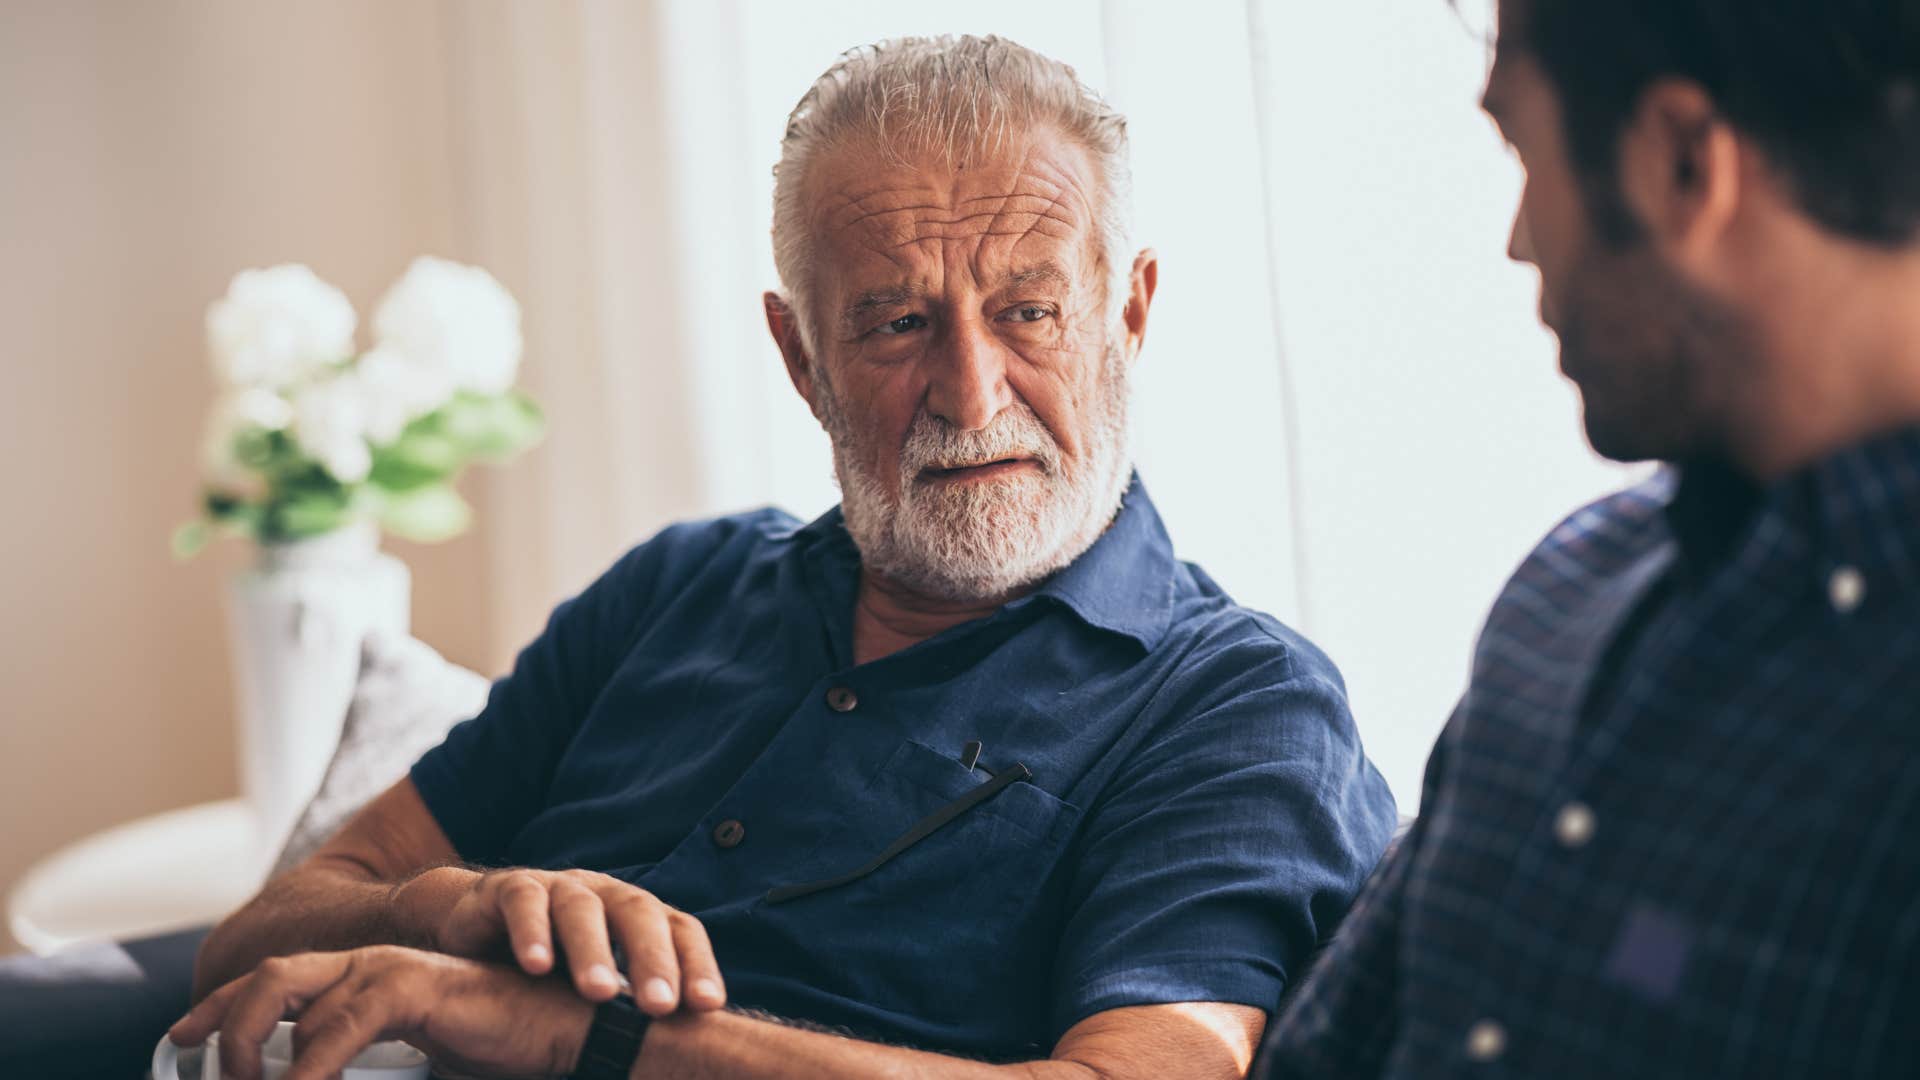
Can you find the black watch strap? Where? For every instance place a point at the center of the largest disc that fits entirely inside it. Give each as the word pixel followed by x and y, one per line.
pixel 613 1042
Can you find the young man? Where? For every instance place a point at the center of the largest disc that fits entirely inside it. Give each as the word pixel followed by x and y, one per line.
pixel 1670 830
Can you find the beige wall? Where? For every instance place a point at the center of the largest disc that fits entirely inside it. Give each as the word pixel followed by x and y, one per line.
pixel 148 151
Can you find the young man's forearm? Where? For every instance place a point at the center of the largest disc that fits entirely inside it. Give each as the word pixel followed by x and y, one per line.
pixel 326 905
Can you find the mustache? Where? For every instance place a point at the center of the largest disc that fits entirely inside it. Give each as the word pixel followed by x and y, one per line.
pixel 933 443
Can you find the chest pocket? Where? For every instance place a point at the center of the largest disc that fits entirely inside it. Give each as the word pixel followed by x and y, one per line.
pixel 935 881
pixel 972 819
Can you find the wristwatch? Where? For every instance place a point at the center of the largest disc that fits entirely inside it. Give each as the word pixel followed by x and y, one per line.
pixel 613 1042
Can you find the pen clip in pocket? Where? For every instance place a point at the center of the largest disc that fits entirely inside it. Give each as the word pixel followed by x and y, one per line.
pixel 922 829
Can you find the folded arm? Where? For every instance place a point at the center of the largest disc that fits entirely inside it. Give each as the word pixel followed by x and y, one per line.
pixel 494 1020
pixel 344 895
pixel 386 879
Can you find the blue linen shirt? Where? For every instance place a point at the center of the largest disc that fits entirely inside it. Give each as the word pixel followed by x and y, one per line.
pixel 1199 815
pixel 1671 829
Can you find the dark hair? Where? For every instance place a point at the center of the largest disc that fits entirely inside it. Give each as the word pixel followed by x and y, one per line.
pixel 1828 90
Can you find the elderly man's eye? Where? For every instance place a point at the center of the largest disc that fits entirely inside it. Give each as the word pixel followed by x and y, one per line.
pixel 1029 313
pixel 902 325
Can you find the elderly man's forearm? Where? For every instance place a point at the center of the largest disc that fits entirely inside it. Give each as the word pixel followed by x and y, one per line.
pixel 737 1046
pixel 323 905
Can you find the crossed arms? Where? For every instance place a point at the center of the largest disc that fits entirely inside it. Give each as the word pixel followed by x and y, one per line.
pixel 378 936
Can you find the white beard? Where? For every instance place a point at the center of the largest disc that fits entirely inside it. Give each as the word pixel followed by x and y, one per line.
pixel 986 540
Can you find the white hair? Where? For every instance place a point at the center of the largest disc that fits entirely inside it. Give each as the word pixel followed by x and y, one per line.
pixel 951 100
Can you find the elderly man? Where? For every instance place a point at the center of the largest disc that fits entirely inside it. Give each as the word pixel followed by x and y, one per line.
pixel 1670 830
pixel 970 764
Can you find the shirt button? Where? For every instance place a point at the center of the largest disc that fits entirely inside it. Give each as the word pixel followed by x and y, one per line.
pixel 1486 1041
pixel 841 699
pixel 1846 588
pixel 1573 825
pixel 729 833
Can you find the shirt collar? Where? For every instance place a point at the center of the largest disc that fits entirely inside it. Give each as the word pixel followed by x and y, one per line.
pixel 1865 508
pixel 1858 508
pixel 1711 506
pixel 1123 584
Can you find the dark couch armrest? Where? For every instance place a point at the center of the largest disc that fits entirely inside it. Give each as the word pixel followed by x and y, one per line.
pixel 94 1011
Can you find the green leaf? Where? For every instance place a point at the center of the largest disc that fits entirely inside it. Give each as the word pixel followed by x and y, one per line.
pixel 420 457
pixel 306 513
pixel 258 449
pixel 492 427
pixel 427 515
pixel 231 515
pixel 190 539
pixel 224 507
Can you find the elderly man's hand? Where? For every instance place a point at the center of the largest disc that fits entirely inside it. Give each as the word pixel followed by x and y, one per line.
pixel 478 1019
pixel 582 914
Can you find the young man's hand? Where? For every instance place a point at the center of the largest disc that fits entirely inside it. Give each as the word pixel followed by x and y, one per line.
pixel 479 1019
pixel 539 915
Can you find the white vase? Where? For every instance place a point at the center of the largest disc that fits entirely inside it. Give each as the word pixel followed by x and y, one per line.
pixel 297 619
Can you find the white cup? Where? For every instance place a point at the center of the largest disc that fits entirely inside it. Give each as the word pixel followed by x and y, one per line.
pixel 381 1061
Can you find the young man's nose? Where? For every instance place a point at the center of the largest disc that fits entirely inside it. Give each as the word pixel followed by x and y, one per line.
pixel 1520 240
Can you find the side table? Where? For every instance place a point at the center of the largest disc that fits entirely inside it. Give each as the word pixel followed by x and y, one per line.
pixel 169 871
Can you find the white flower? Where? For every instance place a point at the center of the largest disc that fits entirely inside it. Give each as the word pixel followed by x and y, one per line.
pixel 277 326
pixel 396 391
pixel 234 414
pixel 330 424
pixel 453 319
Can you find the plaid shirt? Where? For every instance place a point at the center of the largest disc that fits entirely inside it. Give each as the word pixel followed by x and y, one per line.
pixel 1671 830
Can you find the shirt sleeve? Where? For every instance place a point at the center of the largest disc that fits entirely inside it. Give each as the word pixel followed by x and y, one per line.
pixel 1225 850
pixel 491 775
pixel 1340 1024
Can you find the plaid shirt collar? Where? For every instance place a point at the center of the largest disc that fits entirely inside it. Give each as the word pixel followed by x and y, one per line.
pixel 1858 509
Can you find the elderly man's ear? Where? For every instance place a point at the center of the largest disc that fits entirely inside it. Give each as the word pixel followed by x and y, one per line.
pixel 785 327
pixel 1145 278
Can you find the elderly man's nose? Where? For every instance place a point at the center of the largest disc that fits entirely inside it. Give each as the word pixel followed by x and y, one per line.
pixel 968 387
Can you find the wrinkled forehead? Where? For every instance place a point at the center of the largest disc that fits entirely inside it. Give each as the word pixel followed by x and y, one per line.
pixel 873 212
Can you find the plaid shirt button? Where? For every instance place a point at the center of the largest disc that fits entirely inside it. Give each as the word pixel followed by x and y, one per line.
pixel 1573 826
pixel 1846 588
pixel 1486 1041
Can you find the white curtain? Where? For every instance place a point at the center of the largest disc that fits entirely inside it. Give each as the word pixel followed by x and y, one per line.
pixel 1345 409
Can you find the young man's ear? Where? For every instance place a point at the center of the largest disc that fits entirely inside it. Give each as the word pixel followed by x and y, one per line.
pixel 1680 170
pixel 785 327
